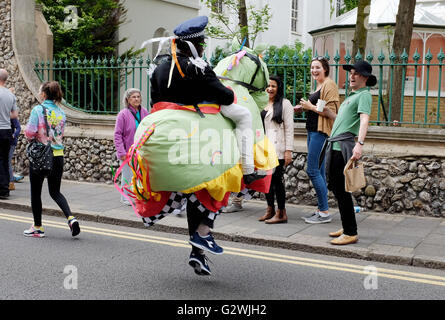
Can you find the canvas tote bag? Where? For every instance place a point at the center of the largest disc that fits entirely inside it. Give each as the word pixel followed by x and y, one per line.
pixel 354 176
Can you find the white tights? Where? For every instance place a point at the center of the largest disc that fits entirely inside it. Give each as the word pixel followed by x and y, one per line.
pixel 244 138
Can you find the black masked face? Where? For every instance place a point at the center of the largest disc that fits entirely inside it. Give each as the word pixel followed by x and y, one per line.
pixel 199 44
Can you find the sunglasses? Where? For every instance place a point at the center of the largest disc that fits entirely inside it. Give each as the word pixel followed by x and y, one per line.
pixel 320 58
pixel 203 44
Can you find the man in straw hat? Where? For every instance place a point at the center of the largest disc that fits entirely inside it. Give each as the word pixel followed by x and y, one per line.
pixel 351 122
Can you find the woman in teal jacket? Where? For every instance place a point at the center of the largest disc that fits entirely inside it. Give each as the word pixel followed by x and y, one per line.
pixel 50 93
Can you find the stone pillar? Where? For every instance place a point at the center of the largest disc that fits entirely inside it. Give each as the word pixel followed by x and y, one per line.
pixel 44 36
pixel 16 54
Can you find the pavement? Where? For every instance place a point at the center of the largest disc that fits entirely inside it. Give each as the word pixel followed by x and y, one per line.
pixel 391 238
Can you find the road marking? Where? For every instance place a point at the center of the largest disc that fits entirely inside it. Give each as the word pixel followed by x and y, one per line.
pixel 316 263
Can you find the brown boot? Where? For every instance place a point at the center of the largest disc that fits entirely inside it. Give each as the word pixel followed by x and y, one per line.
pixel 279 217
pixel 270 211
pixel 11 186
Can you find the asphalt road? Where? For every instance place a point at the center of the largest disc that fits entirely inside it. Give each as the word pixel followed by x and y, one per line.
pixel 113 262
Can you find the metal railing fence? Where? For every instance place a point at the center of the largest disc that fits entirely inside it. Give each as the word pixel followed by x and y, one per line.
pixel 96 86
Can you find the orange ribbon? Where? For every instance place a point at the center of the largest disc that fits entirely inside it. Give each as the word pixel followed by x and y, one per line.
pixel 176 59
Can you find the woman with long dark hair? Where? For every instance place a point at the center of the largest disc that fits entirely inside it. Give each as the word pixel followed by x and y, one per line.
pixel 51 129
pixel 279 128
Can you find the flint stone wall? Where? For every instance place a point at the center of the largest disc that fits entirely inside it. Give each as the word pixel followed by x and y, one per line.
pixel 85 159
pixel 8 61
pixel 412 185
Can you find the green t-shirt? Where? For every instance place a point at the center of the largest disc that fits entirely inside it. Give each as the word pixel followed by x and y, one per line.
pixel 348 117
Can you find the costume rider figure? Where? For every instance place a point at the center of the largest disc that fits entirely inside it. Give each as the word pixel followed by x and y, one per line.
pixel 184 78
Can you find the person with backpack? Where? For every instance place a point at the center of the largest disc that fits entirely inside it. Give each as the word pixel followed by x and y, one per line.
pixel 47 124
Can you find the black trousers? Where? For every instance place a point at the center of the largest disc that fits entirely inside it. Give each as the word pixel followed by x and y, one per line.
pixel 277 187
pixel 5 144
pixel 195 217
pixel 344 198
pixel 54 181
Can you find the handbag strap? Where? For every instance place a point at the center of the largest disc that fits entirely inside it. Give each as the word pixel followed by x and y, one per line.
pixel 46 121
pixel 135 116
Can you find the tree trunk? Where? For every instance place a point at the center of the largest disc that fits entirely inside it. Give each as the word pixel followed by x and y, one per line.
pixel 402 40
pixel 361 32
pixel 243 23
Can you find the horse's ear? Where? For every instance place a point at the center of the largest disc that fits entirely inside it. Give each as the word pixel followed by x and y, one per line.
pixel 260 48
pixel 235 44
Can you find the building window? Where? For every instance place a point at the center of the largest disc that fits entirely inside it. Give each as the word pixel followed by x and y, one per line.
pixel 294 15
pixel 217 6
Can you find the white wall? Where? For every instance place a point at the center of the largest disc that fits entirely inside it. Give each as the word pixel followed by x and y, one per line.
pixel 148 19
pixel 146 16
pixel 312 14
pixel 316 14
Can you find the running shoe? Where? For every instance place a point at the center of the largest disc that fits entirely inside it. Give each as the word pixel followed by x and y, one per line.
pixel 310 215
pixel 316 219
pixel 199 262
pixel 17 178
pixel 35 232
pixel 206 243
pixel 74 226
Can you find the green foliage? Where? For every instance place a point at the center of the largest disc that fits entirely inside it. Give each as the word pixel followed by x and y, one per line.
pixel 221 27
pixel 278 57
pixel 348 6
pixel 89 31
pixel 218 55
pixel 95 31
pixel 389 35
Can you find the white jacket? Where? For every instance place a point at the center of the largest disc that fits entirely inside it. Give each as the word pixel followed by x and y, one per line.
pixel 281 135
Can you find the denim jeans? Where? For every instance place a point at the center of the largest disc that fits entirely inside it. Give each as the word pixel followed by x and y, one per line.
pixel 315 141
pixel 11 155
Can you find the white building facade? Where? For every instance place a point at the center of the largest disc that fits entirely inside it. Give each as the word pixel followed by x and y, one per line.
pixel 148 19
pixel 291 20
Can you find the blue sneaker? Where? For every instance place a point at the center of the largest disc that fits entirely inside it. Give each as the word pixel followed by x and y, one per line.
pixel 199 263
pixel 205 243
pixel 17 178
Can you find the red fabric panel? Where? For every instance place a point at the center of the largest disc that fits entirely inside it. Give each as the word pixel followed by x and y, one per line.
pixel 151 207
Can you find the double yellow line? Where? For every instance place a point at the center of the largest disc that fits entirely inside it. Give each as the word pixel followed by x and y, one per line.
pixel 254 254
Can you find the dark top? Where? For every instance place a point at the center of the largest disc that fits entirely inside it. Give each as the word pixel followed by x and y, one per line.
pixel 15 127
pixel 194 88
pixel 312 117
pixel 263 116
